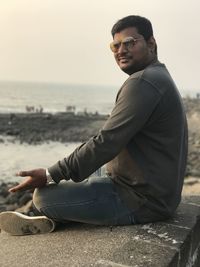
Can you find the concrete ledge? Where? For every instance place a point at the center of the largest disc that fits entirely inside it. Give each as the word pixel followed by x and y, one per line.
pixel 174 243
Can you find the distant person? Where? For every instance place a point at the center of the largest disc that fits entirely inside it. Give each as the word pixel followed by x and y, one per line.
pixel 143 142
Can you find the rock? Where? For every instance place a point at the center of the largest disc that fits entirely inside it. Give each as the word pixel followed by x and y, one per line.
pixel 27 208
pixel 12 201
pixel 191 181
pixel 12 198
pixel 11 207
pixel 24 199
pixel 4 191
pixel 3 207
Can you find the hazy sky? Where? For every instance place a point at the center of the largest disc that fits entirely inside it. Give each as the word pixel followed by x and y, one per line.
pixel 68 40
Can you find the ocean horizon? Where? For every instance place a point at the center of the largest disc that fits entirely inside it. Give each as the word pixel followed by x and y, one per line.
pixel 55 97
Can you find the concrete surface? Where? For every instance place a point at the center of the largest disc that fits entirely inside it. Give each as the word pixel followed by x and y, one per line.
pixel 172 243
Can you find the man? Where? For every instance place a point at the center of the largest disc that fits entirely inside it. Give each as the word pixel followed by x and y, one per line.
pixel 143 142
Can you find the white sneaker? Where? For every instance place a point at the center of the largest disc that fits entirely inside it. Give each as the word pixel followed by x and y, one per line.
pixel 16 223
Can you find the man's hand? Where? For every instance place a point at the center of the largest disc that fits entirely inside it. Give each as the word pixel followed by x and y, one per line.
pixel 34 178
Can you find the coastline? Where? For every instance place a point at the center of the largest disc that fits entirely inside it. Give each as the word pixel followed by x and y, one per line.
pixel 34 128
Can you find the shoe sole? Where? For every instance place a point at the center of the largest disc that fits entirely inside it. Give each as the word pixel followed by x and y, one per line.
pixel 16 223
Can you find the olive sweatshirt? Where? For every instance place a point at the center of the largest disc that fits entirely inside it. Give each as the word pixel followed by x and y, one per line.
pixel 144 143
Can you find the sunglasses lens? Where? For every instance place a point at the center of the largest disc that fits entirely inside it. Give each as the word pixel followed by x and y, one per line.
pixel 128 42
pixel 114 46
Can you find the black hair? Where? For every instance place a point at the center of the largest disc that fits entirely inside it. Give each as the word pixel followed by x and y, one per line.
pixel 143 25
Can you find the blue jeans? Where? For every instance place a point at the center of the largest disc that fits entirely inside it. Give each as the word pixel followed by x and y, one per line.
pixel 93 201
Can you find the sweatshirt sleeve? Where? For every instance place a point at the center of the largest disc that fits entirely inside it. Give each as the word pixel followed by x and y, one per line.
pixel 135 103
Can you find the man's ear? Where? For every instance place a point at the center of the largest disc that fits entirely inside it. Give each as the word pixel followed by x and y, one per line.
pixel 151 43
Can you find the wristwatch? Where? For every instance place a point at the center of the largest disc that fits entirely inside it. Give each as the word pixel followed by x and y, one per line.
pixel 49 178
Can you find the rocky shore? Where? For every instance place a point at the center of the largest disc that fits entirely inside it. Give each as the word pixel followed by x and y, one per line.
pixel 34 128
pixel 13 201
pixel 192 107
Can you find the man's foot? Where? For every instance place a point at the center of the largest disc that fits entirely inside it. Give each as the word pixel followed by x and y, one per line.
pixel 16 223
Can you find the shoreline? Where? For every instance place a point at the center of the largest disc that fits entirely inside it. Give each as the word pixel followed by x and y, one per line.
pixel 34 128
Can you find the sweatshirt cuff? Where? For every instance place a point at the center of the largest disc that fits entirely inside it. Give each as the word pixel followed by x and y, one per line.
pixel 56 173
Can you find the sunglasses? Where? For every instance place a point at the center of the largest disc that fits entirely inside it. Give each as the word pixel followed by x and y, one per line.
pixel 127 42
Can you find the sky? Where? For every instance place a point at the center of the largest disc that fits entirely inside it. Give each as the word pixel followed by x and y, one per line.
pixel 67 41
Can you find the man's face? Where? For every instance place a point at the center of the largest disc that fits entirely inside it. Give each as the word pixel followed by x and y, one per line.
pixel 135 57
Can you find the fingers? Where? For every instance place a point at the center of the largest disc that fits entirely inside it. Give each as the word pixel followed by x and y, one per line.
pixel 34 172
pixel 18 190
pixel 25 185
pixel 19 187
pixel 13 189
pixel 24 173
pixel 22 186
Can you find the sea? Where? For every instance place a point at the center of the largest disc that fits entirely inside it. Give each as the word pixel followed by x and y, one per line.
pixel 15 97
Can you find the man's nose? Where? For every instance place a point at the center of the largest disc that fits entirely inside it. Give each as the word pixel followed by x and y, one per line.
pixel 122 48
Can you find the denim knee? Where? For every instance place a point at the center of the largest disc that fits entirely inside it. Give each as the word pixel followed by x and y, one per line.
pixel 38 199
